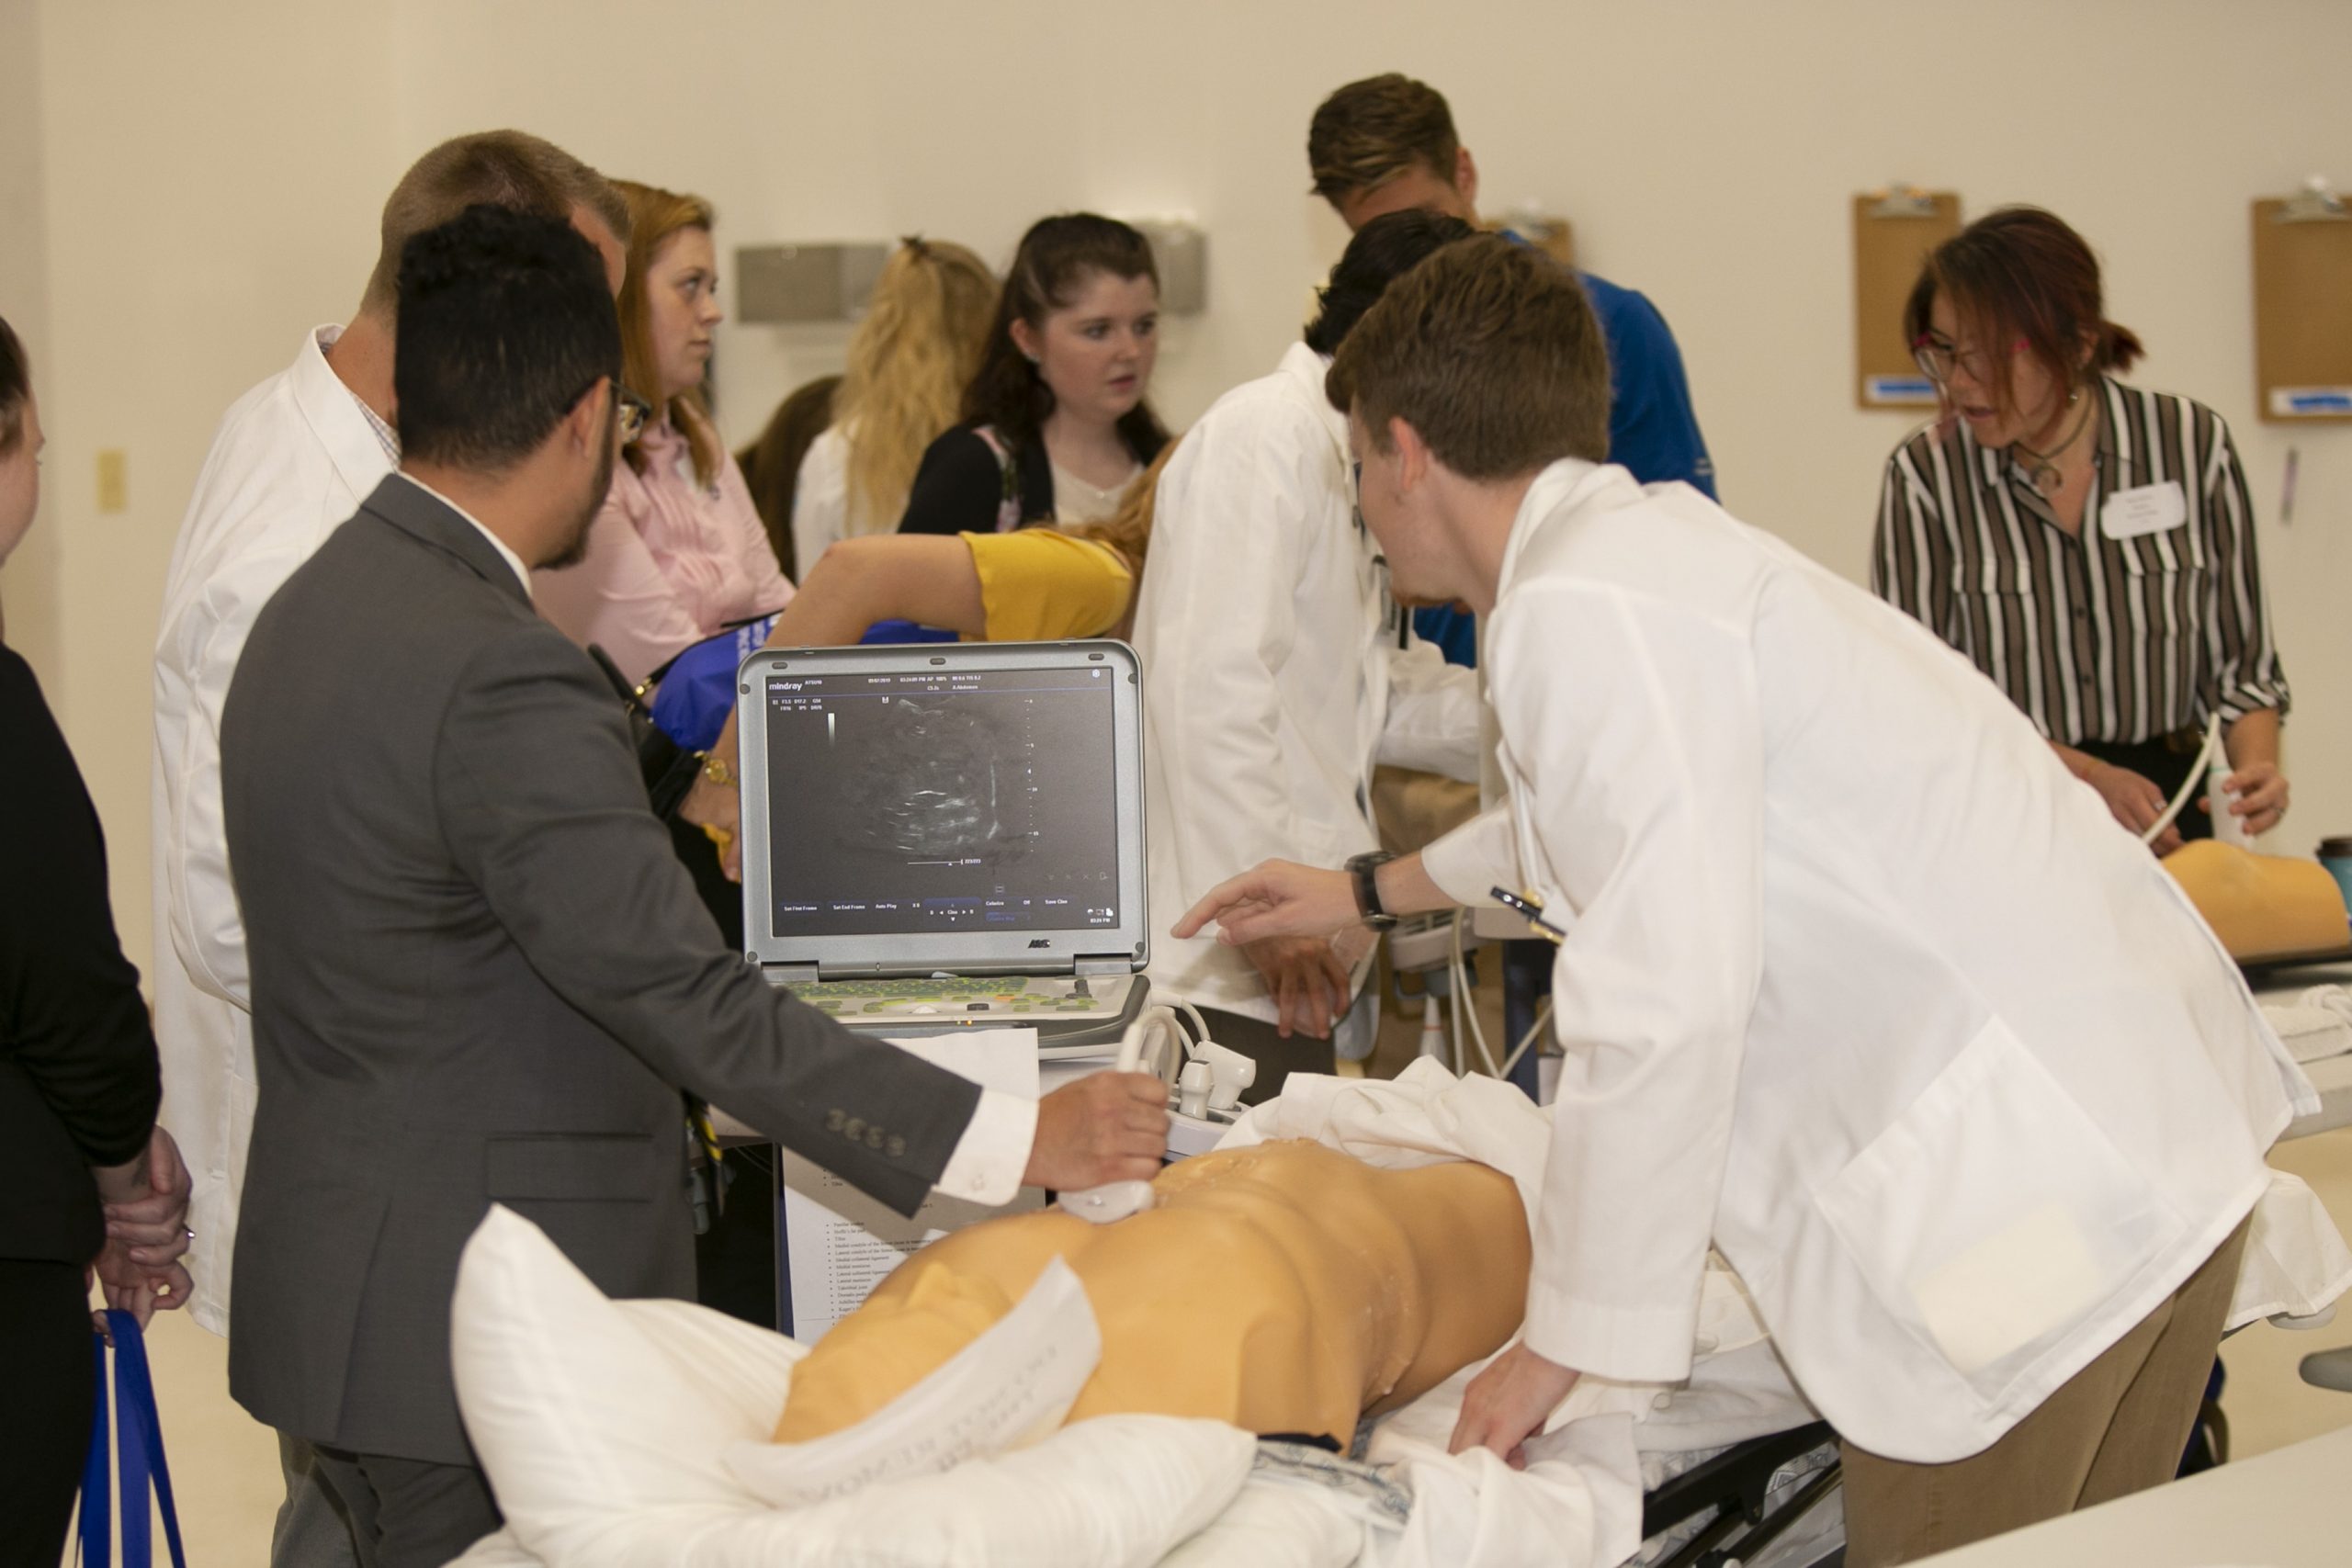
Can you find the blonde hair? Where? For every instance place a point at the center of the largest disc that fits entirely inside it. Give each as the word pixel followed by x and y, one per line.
pixel 908 363
pixel 654 215
pixel 497 168
pixel 1129 530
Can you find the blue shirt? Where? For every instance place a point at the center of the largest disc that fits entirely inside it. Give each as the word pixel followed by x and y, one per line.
pixel 1653 434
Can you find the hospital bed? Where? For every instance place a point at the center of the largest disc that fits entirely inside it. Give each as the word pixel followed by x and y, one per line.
pixel 640 1427
pixel 2278 983
pixel 1773 1500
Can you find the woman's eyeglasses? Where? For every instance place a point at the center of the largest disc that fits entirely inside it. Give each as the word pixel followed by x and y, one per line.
pixel 1937 358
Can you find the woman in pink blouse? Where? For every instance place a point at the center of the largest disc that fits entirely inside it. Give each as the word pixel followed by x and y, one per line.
pixel 678 554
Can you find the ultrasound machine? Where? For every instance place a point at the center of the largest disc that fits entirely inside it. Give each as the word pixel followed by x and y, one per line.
pixel 940 837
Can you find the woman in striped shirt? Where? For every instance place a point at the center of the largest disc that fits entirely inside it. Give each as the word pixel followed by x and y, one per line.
pixel 2089 545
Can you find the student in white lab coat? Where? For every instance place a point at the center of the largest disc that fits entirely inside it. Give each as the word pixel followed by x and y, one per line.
pixel 1856 982
pixel 1276 672
pixel 291 461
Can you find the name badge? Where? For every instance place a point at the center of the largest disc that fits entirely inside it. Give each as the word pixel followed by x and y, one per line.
pixel 2143 509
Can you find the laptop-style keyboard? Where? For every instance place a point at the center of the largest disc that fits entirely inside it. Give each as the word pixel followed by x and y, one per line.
pixel 959 990
pixel 1009 996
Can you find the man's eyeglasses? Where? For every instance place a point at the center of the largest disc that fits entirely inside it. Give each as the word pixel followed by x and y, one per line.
pixel 634 413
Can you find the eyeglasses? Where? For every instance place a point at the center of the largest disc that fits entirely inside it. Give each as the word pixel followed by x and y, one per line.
pixel 634 413
pixel 1937 358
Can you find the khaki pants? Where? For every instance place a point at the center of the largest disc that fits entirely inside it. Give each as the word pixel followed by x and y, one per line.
pixel 2117 1427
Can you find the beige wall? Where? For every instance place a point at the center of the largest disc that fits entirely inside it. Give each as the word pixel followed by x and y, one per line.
pixel 210 177
pixel 28 600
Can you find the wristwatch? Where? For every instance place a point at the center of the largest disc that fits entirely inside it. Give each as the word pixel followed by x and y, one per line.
pixel 715 770
pixel 1362 868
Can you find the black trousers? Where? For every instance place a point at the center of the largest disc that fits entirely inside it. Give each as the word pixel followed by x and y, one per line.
pixel 2165 762
pixel 47 1346
pixel 1277 1058
pixel 735 1259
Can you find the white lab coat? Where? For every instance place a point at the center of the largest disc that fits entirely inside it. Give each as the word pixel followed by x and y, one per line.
pixel 292 460
pixel 1858 983
pixel 1272 678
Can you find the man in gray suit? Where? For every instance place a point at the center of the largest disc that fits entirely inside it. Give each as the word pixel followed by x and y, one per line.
pixel 480 974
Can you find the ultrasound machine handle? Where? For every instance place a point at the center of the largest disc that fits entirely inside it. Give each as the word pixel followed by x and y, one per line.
pixel 1157 1031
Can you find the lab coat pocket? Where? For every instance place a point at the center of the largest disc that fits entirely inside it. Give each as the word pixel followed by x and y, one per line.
pixel 1993 1216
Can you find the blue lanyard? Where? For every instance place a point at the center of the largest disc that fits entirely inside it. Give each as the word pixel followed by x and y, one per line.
pixel 139 1439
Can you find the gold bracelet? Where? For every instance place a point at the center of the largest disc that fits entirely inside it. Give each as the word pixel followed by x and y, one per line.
pixel 715 770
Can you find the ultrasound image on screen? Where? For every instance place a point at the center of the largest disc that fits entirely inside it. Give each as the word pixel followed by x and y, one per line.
pixel 932 803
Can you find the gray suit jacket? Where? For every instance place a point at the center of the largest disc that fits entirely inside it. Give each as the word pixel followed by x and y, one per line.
pixel 479 975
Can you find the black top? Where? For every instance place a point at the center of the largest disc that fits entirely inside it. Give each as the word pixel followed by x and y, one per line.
pixel 79 1082
pixel 962 486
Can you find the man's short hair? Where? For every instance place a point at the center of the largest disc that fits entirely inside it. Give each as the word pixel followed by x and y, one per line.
pixel 505 323
pixel 1370 131
pixel 1382 251
pixel 1490 351
pixel 491 168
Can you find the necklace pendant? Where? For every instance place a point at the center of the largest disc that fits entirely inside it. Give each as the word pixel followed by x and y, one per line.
pixel 2047 479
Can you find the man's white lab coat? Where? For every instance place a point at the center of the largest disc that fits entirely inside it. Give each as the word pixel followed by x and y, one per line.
pixel 1272 677
pixel 1858 982
pixel 292 460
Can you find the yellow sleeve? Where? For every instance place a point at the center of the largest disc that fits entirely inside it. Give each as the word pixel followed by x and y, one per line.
pixel 1042 585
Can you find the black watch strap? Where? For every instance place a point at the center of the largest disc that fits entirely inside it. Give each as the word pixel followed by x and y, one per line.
pixel 1364 869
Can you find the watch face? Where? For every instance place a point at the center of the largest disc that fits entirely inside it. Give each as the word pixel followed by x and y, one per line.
pixel 1361 869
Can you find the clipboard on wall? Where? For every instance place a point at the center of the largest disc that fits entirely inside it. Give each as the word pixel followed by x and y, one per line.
pixel 1894 230
pixel 2303 307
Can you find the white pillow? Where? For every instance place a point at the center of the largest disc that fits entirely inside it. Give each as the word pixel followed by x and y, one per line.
pixel 1116 1492
pixel 581 1406
pixel 603 1427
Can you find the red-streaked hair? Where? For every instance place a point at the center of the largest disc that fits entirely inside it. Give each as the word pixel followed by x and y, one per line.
pixel 654 215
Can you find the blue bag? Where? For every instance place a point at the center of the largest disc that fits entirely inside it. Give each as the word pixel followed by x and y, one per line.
pixel 139 1439
pixel 693 692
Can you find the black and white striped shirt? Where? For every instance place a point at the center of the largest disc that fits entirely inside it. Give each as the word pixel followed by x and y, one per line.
pixel 2098 638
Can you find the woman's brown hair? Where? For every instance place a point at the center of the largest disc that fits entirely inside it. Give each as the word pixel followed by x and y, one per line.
pixel 1055 261
pixel 2020 276
pixel 654 215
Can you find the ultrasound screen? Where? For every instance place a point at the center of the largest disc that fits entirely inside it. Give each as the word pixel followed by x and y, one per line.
pixel 937 801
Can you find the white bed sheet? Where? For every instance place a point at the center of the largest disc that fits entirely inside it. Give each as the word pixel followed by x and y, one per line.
pixel 1578 1502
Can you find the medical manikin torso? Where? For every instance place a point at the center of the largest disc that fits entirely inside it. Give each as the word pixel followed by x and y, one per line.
pixel 1285 1288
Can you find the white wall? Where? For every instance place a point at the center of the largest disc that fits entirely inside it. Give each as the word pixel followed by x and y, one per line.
pixel 212 175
